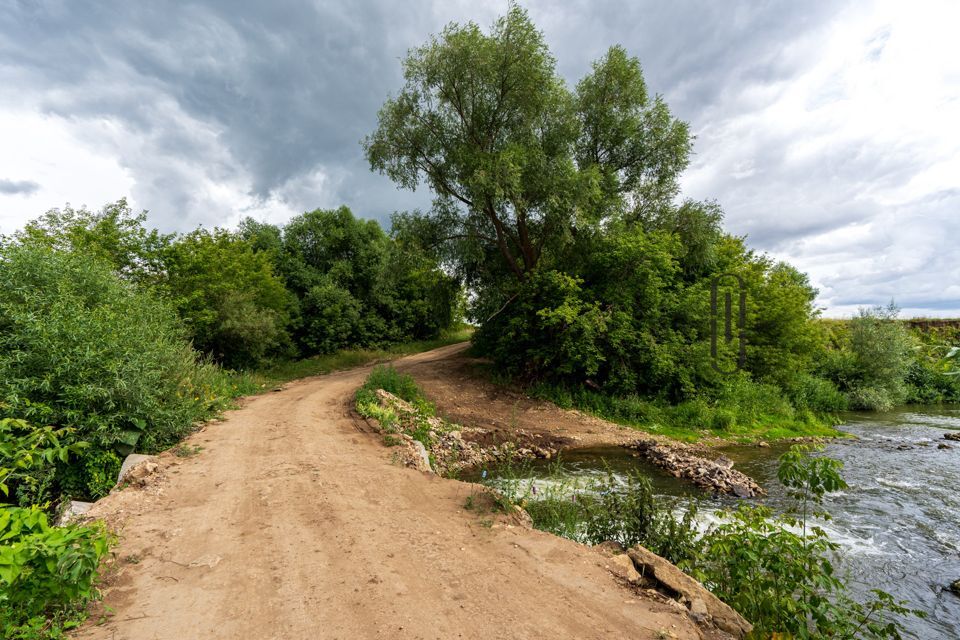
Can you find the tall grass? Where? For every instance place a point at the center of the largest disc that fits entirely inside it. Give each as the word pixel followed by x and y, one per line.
pixel 744 410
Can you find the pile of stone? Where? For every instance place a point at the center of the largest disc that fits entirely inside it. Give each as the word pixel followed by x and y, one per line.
pixel 451 448
pixel 714 475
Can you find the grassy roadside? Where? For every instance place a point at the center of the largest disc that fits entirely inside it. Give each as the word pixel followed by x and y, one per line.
pixel 253 382
pixel 745 421
pixel 746 413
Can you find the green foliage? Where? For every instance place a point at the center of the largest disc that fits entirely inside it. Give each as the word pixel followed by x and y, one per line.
pixel 623 510
pixel 93 477
pixel 46 572
pixel 399 384
pixel 807 391
pixel 627 512
pixel 777 571
pixel 873 358
pixel 331 318
pixel 24 447
pixel 740 410
pixel 356 286
pixel 81 348
pixel 237 310
pixel 114 235
pixel 513 156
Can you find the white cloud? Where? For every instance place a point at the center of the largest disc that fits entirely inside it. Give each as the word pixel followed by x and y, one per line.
pixel 850 155
pixel 44 150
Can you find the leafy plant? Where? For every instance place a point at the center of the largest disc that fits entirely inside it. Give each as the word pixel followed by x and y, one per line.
pixel 83 349
pixel 46 572
pixel 777 570
pixel 399 384
pixel 24 447
pixel 236 308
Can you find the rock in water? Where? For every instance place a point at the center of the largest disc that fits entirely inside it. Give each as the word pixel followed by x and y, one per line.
pixel 955 587
pixel 953 435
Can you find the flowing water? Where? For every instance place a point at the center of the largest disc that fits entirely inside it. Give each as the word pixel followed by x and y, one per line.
pixel 898 523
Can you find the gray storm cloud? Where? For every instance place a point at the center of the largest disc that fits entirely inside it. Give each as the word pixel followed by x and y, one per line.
pixel 220 109
pixel 14 187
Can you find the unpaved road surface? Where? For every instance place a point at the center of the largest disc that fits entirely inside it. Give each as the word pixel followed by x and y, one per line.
pixel 292 522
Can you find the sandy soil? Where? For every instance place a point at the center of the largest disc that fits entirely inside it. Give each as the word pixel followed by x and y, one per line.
pixel 292 522
pixel 464 397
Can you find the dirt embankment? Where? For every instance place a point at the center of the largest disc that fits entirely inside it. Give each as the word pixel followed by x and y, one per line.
pixel 500 415
pixel 291 522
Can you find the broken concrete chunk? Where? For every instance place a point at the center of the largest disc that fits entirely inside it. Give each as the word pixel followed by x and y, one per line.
pixel 74 510
pixel 622 567
pixel 653 567
pixel 130 462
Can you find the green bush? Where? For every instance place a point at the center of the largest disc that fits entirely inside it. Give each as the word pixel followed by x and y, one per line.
pixel 331 317
pixel 93 476
pixel 237 310
pixel 815 394
pixel 872 398
pixel 357 286
pixel 45 572
pixel 81 348
pixel 399 384
pixel 870 359
pixel 629 513
pixel 777 570
pixel 723 420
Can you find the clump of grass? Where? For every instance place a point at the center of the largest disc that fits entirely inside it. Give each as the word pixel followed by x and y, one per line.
pixel 744 410
pixel 404 387
pixel 184 450
pixel 609 508
pixel 399 384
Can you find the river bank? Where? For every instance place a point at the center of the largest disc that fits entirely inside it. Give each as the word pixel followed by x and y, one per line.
pixel 897 524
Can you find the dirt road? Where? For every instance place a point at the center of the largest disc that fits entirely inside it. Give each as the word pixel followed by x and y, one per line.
pixel 293 523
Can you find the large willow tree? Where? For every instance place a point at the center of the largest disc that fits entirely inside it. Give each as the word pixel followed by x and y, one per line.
pixel 517 161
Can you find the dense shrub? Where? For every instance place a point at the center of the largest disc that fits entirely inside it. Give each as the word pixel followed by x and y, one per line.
pixel 81 348
pixel 45 572
pixel 330 318
pixel 355 285
pixel 236 308
pixel 114 235
pixel 870 357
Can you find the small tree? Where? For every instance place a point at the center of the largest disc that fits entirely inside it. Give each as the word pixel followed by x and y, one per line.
pixel 114 234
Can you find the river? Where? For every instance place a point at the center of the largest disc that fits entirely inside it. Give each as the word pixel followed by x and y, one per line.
pixel 898 523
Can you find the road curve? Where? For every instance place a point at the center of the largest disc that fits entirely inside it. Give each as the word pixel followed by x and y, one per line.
pixel 292 522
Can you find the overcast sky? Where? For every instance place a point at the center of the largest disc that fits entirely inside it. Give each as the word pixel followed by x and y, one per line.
pixel 828 131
